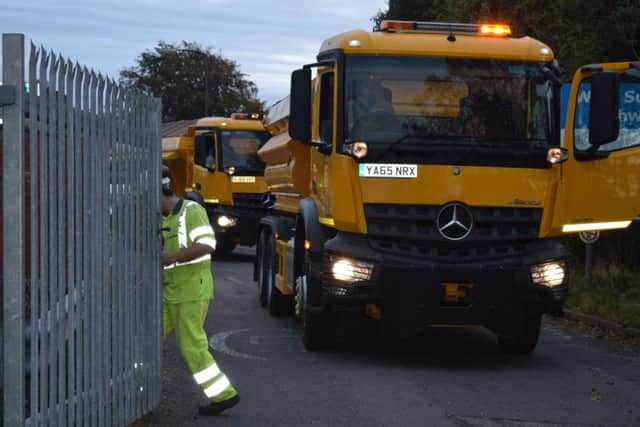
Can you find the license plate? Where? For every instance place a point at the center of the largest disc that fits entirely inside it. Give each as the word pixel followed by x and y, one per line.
pixel 387 170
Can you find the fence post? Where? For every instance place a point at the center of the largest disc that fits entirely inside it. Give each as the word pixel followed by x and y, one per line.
pixel 13 232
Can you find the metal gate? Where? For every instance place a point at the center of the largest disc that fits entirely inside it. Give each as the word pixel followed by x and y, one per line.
pixel 81 264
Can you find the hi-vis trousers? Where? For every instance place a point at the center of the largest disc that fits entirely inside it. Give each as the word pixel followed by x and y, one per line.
pixel 187 319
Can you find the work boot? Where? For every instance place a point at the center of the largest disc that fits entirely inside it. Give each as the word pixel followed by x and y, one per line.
pixel 215 408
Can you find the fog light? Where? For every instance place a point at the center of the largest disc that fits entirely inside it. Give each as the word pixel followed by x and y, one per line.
pixel 226 221
pixel 348 270
pixel 549 274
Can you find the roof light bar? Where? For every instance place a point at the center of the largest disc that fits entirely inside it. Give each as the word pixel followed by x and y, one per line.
pixel 246 116
pixel 387 25
pixel 446 27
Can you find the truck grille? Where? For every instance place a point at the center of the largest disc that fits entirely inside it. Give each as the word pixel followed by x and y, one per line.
pixel 249 202
pixel 410 230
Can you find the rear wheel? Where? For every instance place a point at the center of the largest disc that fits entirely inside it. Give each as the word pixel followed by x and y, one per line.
pixel 526 342
pixel 277 303
pixel 260 254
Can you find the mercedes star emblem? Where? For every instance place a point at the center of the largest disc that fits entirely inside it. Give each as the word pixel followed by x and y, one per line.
pixel 454 221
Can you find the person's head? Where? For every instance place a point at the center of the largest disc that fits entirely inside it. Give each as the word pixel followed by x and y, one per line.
pixel 167 196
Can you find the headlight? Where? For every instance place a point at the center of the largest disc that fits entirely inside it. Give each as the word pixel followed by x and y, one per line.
pixel 549 274
pixel 357 149
pixel 348 270
pixel 557 155
pixel 226 221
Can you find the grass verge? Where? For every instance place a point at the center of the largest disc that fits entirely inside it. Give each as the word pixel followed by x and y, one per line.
pixel 611 293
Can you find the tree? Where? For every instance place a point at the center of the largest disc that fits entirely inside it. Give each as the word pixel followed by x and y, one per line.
pixel 192 81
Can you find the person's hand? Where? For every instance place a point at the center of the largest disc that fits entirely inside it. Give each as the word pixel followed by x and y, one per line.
pixel 167 257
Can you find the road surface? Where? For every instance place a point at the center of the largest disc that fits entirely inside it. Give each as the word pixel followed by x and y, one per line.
pixel 447 377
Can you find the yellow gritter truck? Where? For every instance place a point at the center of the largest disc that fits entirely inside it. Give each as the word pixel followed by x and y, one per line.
pixel 419 178
pixel 216 163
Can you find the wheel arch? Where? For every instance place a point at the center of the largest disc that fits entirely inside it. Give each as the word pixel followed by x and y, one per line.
pixel 308 221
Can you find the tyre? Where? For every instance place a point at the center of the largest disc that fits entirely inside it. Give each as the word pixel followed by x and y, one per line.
pixel 317 325
pixel 260 258
pixel 277 304
pixel 526 342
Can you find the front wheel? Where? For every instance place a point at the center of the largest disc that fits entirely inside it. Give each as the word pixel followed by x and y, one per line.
pixel 317 326
pixel 526 342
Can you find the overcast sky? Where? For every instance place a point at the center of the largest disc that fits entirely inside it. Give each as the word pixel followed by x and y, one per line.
pixel 267 38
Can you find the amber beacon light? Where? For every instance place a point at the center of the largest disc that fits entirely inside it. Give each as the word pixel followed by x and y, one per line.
pixel 495 30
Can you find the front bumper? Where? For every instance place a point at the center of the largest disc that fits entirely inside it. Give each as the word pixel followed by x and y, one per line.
pixel 413 294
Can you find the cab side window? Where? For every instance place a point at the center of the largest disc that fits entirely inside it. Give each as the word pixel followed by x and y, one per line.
pixel 326 108
pixel 629 114
pixel 204 151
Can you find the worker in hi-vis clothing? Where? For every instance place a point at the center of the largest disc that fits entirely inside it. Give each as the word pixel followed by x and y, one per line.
pixel 188 241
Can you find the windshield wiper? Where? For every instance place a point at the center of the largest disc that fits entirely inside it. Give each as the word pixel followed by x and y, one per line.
pixel 433 141
pixel 507 141
pixel 438 141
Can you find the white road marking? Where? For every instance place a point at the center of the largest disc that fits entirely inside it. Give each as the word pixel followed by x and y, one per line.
pixel 259 339
pixel 218 342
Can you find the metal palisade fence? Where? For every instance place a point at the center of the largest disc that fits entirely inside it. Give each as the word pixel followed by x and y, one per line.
pixel 80 229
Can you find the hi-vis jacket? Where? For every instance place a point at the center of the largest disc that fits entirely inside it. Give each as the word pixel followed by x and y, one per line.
pixel 187 281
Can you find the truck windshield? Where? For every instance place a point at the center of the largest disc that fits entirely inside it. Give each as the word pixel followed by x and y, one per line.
pixel 426 104
pixel 240 150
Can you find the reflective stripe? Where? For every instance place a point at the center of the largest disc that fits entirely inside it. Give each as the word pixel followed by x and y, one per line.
pixel 207 374
pixel 182 228
pixel 166 181
pixel 208 241
pixel 201 231
pixel 217 387
pixel 595 226
pixel 206 257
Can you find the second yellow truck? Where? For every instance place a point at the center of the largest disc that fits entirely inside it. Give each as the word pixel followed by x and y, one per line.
pixel 216 163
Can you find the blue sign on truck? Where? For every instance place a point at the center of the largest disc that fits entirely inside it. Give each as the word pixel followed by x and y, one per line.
pixel 629 114
pixel 629 105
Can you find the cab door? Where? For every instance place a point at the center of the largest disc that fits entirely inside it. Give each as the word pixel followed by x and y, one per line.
pixel 322 134
pixel 600 186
